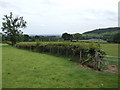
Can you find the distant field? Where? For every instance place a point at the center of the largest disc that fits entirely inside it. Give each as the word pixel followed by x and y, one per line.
pixel 25 69
pixel 110 49
pixel 94 41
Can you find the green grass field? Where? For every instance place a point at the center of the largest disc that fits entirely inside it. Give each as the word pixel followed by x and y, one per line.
pixel 25 69
pixel 110 49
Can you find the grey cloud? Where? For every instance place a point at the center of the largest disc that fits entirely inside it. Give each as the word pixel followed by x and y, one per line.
pixel 112 16
pixel 119 13
pixel 8 5
pixel 4 4
pixel 51 15
pixel 113 19
pixel 110 12
pixel 48 2
pixel 101 14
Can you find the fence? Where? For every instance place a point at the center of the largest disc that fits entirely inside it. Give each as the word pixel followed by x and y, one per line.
pixel 114 58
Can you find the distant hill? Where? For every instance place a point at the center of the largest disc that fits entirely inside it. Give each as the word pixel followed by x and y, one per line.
pixel 103 30
pixel 103 33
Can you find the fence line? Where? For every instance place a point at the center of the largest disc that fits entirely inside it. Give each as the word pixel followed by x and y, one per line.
pixel 111 56
pixel 111 59
pixel 118 58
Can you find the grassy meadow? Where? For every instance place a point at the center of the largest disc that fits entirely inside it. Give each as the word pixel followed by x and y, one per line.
pixel 25 69
pixel 110 49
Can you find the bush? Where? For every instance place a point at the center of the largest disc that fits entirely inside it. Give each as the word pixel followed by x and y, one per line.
pixel 8 42
pixel 84 52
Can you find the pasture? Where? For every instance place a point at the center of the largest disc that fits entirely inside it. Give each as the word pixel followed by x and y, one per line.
pixel 26 69
pixel 110 49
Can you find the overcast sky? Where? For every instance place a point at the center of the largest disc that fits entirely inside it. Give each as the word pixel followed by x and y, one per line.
pixel 59 16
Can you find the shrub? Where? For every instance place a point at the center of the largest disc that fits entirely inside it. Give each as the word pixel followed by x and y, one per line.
pixel 86 53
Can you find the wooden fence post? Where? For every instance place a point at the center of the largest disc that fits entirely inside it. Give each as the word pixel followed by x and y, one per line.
pixel 58 50
pixel 80 56
pixel 66 51
pixel 98 61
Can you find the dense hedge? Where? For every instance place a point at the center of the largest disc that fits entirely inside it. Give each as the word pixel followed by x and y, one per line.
pixel 85 53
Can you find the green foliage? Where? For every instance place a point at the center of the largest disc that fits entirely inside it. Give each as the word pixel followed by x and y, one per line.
pixel 105 34
pixel 68 49
pixel 93 41
pixel 104 30
pixel 8 42
pixel 67 36
pixel 26 37
pixel 77 36
pixel 11 27
pixel 116 38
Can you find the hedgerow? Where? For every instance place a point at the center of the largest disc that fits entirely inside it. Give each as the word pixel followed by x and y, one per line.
pixel 88 54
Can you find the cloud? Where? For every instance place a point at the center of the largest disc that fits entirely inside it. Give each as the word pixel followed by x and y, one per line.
pixel 111 16
pixel 57 16
pixel 99 14
pixel 48 2
pixel 4 4
pixel 119 14
pixel 42 25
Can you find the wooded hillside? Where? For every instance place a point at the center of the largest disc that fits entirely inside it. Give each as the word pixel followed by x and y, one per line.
pixel 103 30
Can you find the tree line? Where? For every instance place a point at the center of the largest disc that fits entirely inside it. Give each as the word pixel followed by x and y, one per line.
pixel 28 38
pixel 11 32
pixel 11 27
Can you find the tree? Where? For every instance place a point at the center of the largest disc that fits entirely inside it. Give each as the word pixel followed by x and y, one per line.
pixel 67 36
pixel 116 38
pixel 77 36
pixel 3 38
pixel 26 37
pixel 11 26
